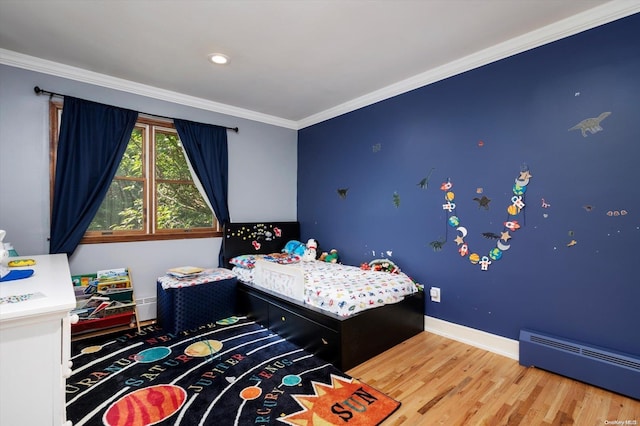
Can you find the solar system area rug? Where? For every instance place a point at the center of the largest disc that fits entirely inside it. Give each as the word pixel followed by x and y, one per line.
pixel 233 372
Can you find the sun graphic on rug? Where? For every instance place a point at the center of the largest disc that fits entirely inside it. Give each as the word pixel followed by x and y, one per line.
pixel 344 400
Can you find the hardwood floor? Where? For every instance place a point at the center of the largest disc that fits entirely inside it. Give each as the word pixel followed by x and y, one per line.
pixel 444 382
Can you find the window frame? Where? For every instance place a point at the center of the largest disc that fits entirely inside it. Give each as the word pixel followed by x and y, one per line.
pixel 150 233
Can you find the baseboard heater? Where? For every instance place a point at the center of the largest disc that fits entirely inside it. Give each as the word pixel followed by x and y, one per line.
pixel 615 371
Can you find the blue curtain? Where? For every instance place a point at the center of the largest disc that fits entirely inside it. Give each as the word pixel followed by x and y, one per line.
pixel 206 148
pixel 93 138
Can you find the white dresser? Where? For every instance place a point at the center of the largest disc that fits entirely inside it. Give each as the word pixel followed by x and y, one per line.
pixel 35 343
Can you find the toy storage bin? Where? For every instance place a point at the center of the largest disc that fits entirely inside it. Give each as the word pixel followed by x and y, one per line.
pixel 187 304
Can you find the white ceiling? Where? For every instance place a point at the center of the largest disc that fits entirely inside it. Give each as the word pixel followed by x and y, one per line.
pixel 293 62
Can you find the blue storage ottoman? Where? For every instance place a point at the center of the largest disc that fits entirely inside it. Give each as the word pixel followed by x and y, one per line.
pixel 186 304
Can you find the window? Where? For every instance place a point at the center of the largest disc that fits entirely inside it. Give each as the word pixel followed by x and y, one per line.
pixel 153 195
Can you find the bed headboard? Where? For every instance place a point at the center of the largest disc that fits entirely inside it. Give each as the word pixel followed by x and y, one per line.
pixel 257 238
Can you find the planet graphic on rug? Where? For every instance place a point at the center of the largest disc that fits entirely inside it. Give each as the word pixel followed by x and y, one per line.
pixel 291 380
pixel 95 348
pixel 250 392
pixel 149 406
pixel 228 321
pixel 203 348
pixel 91 349
pixel 152 354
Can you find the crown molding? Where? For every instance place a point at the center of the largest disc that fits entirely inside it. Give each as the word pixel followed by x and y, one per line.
pixel 591 18
pixel 575 24
pixel 32 63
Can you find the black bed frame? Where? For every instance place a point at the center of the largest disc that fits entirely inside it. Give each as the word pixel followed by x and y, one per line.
pixel 343 341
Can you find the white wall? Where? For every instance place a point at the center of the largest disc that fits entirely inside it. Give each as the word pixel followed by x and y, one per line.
pixel 262 178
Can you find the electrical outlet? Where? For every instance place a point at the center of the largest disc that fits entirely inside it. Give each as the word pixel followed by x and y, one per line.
pixel 434 292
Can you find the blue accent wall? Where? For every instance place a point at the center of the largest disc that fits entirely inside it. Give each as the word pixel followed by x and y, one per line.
pixel 521 108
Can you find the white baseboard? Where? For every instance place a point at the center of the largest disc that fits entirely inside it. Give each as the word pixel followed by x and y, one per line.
pixel 480 339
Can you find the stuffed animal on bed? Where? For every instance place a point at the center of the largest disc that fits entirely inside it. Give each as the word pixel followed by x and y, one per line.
pixel 310 252
pixel 381 265
pixel 331 257
pixel 294 247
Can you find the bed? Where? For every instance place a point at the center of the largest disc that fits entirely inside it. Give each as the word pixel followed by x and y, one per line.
pixel 277 300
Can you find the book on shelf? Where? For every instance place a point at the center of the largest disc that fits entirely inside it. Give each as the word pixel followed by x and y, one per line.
pixel 118 308
pixel 117 274
pixel 112 285
pixel 118 294
pixel 102 306
pixel 104 300
pixel 83 280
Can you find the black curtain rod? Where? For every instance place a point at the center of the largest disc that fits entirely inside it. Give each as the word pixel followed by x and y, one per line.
pixel 39 91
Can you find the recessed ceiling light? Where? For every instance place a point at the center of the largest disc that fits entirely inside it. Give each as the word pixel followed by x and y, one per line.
pixel 219 58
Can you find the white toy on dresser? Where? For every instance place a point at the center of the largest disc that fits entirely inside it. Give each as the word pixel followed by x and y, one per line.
pixel 4 255
pixel 7 274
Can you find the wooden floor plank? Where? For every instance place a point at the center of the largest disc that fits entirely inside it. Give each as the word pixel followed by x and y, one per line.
pixel 441 381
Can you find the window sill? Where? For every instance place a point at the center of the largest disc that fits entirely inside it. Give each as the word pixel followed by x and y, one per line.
pixel 185 235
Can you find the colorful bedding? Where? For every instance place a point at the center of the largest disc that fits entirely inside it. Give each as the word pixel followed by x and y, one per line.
pixel 342 289
pixel 346 290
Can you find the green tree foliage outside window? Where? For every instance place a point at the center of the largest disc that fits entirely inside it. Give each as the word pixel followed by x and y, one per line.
pixel 153 195
pixel 123 206
pixel 178 205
